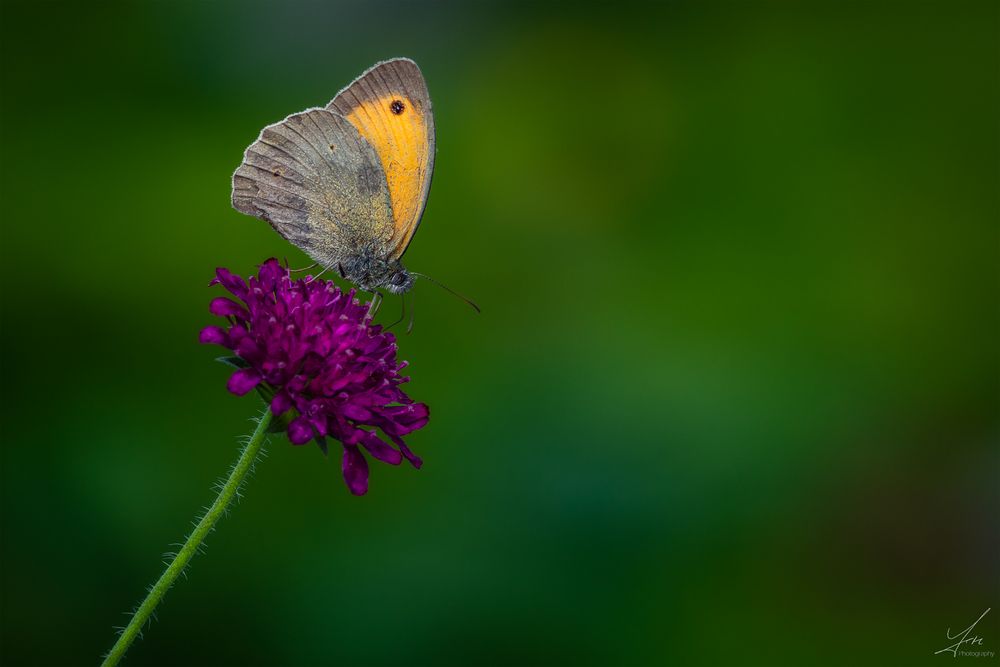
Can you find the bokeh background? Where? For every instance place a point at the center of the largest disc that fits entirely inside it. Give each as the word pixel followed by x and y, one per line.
pixel 733 397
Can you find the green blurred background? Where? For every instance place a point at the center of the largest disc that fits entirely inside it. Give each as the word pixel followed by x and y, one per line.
pixel 733 397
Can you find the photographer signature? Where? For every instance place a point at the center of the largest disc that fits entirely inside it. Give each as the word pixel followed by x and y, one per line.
pixel 964 638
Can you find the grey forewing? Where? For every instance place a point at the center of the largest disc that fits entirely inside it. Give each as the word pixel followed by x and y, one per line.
pixel 316 180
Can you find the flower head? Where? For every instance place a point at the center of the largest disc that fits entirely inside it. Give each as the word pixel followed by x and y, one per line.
pixel 310 348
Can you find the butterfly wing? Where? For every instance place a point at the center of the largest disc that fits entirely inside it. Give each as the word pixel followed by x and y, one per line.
pixel 390 107
pixel 319 183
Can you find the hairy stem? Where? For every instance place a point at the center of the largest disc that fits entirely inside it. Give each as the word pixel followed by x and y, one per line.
pixel 191 545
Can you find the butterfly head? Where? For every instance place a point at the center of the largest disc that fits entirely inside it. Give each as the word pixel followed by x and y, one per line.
pixel 370 272
pixel 399 279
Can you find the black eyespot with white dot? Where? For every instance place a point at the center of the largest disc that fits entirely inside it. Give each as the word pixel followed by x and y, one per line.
pixel 397 107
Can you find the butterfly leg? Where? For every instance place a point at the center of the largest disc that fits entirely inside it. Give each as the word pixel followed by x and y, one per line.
pixel 375 305
pixel 402 315
pixel 312 278
pixel 409 327
pixel 305 268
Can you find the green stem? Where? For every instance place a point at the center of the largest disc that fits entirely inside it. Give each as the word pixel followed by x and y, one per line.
pixel 194 540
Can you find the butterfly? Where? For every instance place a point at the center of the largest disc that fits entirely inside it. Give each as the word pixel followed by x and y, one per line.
pixel 348 183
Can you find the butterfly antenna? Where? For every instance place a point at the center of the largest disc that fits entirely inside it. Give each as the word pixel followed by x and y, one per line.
pixel 449 290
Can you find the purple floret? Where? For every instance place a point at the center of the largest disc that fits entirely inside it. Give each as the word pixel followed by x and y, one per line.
pixel 312 347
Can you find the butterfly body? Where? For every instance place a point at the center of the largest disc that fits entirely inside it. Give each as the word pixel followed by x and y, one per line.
pixel 348 183
pixel 370 271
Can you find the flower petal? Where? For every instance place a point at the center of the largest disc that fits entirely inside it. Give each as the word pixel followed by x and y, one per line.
pixel 403 419
pixel 356 412
pixel 248 349
pixel 270 273
pixel 355 470
pixel 300 431
pixel 214 336
pixel 414 460
pixel 243 381
pixel 380 450
pixel 281 403
pixel 231 282
pixel 226 307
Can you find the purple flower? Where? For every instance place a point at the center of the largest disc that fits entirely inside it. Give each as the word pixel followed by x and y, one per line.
pixel 308 347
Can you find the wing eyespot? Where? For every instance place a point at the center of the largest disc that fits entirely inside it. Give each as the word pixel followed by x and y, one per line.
pixel 397 107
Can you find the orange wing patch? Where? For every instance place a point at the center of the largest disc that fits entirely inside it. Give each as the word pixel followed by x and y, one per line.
pixel 390 107
pixel 396 129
